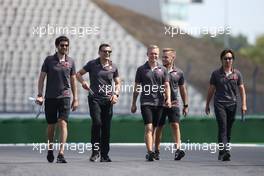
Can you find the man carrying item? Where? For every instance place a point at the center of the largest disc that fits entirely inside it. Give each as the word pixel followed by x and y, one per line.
pixel 61 81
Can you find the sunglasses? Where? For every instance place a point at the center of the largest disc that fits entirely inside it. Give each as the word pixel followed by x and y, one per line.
pixel 228 58
pixel 107 51
pixel 62 45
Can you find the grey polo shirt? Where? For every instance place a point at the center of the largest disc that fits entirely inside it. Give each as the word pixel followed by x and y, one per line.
pixel 58 76
pixel 176 79
pixel 152 84
pixel 226 86
pixel 101 78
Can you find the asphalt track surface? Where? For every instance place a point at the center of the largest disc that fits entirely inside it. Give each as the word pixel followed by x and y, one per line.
pixel 130 160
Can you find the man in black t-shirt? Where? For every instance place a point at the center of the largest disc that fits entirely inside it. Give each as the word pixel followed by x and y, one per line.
pixel 102 95
pixel 177 84
pixel 152 80
pixel 61 81
pixel 223 85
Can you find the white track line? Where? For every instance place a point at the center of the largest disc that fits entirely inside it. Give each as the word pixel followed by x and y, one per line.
pixel 132 144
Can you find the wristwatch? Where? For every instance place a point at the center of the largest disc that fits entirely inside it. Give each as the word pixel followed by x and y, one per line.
pixel 39 95
pixel 185 106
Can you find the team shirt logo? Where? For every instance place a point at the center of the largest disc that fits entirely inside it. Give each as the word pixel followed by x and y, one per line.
pixel 175 74
pixel 66 93
pixel 65 64
pixel 234 77
pixel 158 70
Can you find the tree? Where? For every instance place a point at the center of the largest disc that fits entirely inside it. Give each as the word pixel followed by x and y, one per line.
pixel 255 52
pixel 235 42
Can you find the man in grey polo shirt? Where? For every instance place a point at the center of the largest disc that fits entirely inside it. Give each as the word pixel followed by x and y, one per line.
pixel 61 81
pixel 102 95
pixel 177 84
pixel 223 85
pixel 152 80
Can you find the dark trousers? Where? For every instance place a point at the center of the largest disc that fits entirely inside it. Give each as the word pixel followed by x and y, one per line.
pixel 225 116
pixel 101 112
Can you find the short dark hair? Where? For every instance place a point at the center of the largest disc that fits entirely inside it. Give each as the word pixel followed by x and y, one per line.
pixel 103 45
pixel 60 39
pixel 225 51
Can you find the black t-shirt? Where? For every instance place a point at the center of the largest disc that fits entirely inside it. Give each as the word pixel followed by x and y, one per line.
pixel 58 76
pixel 226 86
pixel 176 79
pixel 101 78
pixel 152 84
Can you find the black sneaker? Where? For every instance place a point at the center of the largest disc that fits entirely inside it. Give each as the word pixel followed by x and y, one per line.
pixel 50 156
pixel 95 157
pixel 220 157
pixel 61 159
pixel 157 155
pixel 105 159
pixel 150 156
pixel 179 154
pixel 226 156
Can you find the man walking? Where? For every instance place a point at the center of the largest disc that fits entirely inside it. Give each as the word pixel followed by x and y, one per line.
pixel 102 96
pixel 61 81
pixel 152 81
pixel 177 83
pixel 223 85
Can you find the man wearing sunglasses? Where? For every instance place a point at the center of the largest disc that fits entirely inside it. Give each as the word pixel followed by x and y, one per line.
pixel 102 95
pixel 223 85
pixel 61 81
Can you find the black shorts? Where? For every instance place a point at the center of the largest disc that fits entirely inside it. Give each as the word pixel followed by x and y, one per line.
pixel 173 115
pixel 151 114
pixel 57 108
